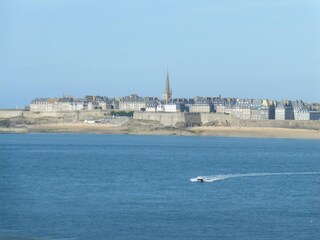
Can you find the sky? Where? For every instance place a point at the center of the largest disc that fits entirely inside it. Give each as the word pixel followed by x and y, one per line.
pixel 266 49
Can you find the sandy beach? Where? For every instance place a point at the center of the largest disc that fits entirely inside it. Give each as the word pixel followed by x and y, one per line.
pixel 257 132
pixel 195 131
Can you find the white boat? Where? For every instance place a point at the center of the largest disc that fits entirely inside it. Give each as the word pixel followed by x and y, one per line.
pixel 200 179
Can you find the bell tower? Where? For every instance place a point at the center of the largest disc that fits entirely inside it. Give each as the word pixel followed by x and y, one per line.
pixel 167 92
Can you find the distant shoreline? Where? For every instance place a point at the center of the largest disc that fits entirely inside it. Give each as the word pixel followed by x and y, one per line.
pixel 247 132
pixel 258 132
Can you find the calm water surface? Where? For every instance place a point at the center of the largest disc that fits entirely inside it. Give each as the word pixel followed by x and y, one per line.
pixel 73 186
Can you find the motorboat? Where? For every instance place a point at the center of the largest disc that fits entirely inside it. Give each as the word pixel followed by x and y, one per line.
pixel 200 179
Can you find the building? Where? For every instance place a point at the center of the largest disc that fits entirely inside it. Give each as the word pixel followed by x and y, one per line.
pixel 284 111
pixel 223 105
pixel 306 114
pixel 167 92
pixel 201 108
pixel 55 104
pixel 224 108
pixel 302 114
pixel 242 109
pixel 299 108
pixel 151 107
pixel 132 103
pixel 249 109
pixel 314 115
pixel 261 110
pixel 201 105
pixel 40 105
pixel 172 107
pixel 90 98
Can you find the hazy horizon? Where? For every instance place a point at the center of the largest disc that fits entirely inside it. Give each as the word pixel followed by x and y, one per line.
pixel 254 49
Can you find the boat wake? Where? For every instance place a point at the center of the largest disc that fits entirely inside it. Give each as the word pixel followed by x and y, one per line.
pixel 215 178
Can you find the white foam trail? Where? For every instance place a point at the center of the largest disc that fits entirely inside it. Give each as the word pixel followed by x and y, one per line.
pixel 214 178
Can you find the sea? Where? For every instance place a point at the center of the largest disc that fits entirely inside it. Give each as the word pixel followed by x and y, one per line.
pixel 92 186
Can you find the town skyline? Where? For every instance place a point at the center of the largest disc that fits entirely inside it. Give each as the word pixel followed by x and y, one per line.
pixel 166 96
pixel 246 109
pixel 159 96
pixel 253 49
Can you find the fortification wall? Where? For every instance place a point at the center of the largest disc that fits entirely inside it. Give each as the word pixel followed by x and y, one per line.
pixel 10 113
pixel 167 119
pixel 192 119
pixel 63 116
pixel 298 124
pixel 217 119
pixel 171 119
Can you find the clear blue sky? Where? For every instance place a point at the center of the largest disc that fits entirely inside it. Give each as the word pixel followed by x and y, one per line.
pixel 247 49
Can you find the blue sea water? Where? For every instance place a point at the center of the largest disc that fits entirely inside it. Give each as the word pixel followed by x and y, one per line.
pixel 74 186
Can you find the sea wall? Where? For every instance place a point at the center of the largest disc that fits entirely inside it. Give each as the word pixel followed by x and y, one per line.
pixel 20 117
pixel 61 116
pixel 229 120
pixel 297 124
pixel 216 119
pixel 219 119
pixel 11 113
pixel 188 119
pixel 178 119
pixel 192 119
pixel 167 119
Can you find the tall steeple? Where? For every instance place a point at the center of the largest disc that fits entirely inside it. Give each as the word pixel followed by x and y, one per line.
pixel 167 93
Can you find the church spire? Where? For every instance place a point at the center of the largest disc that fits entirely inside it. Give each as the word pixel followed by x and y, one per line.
pixel 167 93
pixel 167 88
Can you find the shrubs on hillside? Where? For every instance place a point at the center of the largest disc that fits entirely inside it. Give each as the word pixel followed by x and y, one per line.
pixel 122 113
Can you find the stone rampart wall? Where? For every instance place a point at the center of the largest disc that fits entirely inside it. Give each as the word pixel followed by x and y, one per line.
pixel 66 116
pixel 298 124
pixel 10 113
pixel 167 119
pixel 217 119
pixel 229 120
pixel 171 119
pixel 192 119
